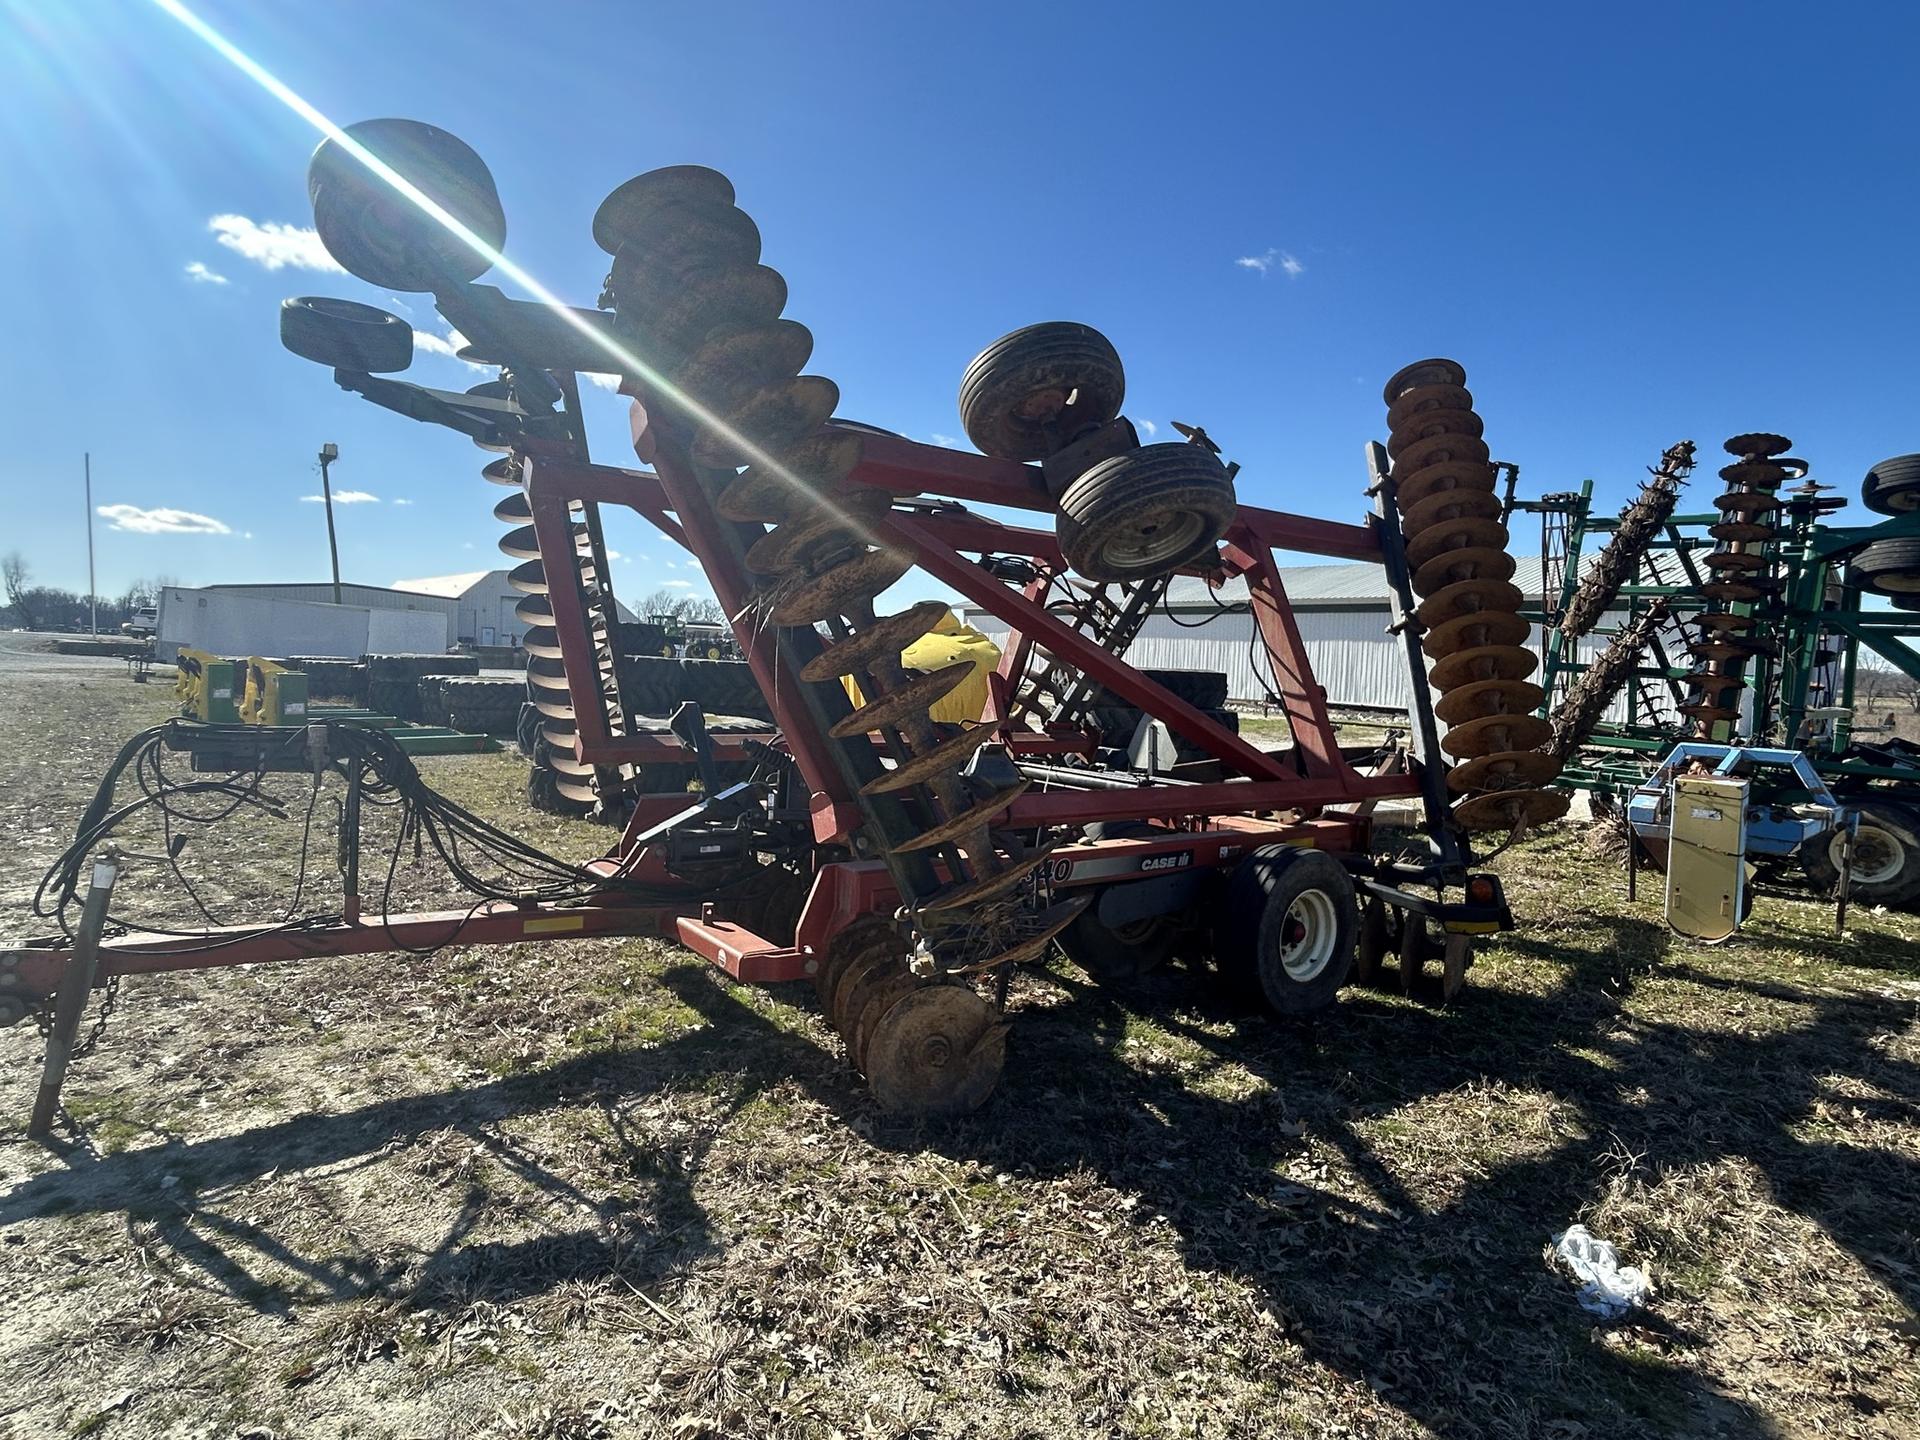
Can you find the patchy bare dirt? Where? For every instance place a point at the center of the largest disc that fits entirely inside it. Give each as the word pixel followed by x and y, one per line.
pixel 593 1190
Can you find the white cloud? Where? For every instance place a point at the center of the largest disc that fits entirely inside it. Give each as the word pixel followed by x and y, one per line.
pixel 605 382
pixel 403 501
pixel 162 520
pixel 273 245
pixel 448 345
pixel 344 497
pixel 1262 263
pixel 947 440
pixel 678 584
pixel 615 555
pixel 201 275
pixel 1151 428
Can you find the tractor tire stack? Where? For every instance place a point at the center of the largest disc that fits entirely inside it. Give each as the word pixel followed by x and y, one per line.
pixel 393 681
pixel 725 392
pixel 331 678
pixel 1456 549
pixel 480 706
pixel 1742 568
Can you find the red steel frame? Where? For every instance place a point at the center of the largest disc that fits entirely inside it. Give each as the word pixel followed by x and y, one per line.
pixel 1212 822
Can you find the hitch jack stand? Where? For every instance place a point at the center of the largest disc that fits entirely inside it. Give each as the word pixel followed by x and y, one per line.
pixel 76 985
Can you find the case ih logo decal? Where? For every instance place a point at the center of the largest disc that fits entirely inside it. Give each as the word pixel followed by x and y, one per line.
pixel 1177 861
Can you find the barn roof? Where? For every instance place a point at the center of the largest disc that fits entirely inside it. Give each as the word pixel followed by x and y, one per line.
pixel 448 587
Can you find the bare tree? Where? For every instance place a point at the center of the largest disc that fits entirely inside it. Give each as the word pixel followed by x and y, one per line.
pixel 687 609
pixel 16 574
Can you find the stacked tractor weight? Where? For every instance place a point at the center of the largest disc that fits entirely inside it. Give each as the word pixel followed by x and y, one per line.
pixel 1742 569
pixel 1469 616
pixel 691 295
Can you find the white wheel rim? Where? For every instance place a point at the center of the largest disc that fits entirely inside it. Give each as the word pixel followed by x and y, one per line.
pixel 1878 855
pixel 1308 933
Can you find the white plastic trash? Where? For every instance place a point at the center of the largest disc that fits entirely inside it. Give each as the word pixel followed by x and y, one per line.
pixel 1607 1287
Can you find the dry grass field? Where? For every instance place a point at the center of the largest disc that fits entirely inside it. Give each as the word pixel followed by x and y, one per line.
pixel 593 1189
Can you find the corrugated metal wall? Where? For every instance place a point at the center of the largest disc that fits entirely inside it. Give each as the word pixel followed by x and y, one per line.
pixel 1352 654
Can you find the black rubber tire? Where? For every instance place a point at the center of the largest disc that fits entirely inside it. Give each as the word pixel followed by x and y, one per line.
pixel 1258 914
pixel 1013 397
pixel 1202 689
pixel 1118 956
pixel 380 236
pixel 1890 567
pixel 526 729
pixel 1895 825
pixel 655 684
pixel 1893 486
pixel 345 334
pixel 1146 513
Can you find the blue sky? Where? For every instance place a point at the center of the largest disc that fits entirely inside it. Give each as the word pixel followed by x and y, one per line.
pixel 1632 224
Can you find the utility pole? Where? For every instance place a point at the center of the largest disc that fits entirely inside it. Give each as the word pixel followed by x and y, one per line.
pixel 93 600
pixel 329 453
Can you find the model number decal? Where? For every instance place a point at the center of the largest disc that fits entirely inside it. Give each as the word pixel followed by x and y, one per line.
pixel 1177 861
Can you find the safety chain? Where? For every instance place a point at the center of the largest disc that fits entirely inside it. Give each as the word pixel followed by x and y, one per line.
pixel 43 1020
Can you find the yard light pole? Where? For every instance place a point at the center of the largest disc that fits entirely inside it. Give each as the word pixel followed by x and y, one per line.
pixel 329 453
pixel 93 600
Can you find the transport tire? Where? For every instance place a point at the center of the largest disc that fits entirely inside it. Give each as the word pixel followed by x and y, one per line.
pixel 1886 863
pixel 1289 928
pixel 345 334
pixel 1030 392
pixel 1890 567
pixel 1893 486
pixel 1118 954
pixel 378 234
pixel 1146 513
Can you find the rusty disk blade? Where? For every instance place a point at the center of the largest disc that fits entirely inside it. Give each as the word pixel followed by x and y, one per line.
pixel 1479 563
pixel 1709 714
pixel 521 544
pixel 528 579
pixel 1755 474
pixel 504 471
pixel 1422 398
pixel 1455 504
pixel 628 204
pixel 1503 770
pixel 553 709
pixel 1758 443
pixel 1723 620
pixel 1422 373
pixel 1707 682
pixel 919 695
pixel 885 637
pixel 546 673
pixel 845 587
pixel 794 479
pixel 534 610
pixel 773 415
pixel 1734 590
pixel 974 817
pixel 670 315
pixel 978 891
pixel 542 640
pixel 1440 449
pixel 514 510
pixel 1492 734
pixel 1485 627
pixel 949 755
pixel 846 947
pixel 866 1007
pixel 1736 560
pixel 1714 650
pixel 1413 486
pixel 1484 662
pixel 1430 423
pixel 1504 809
pixel 1455 535
pixel 1741 530
pixel 736 359
pixel 790 546
pixel 1469 597
pixel 1035 932
pixel 1488 697
pixel 580 792
pixel 872 969
pixel 938 1052
pixel 1746 502
pixel 679 233
pixel 564 764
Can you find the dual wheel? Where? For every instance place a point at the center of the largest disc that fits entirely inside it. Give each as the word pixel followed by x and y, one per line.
pixel 1146 512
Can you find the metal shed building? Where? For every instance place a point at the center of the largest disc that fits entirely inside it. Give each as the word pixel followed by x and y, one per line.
pixel 481 605
pixel 1342 613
